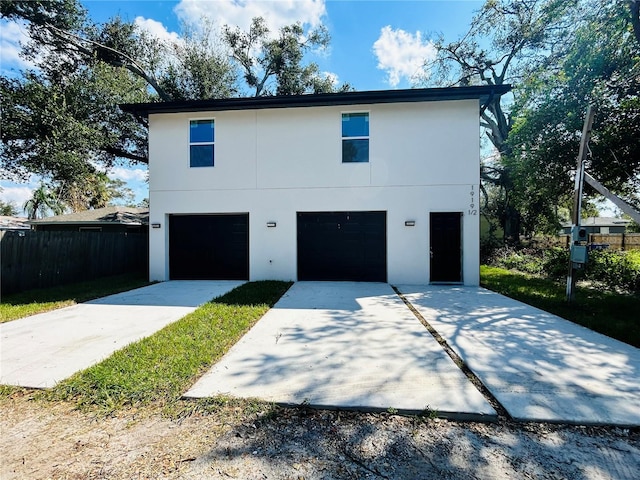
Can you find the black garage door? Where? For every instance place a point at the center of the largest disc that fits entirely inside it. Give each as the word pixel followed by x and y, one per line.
pixel 342 246
pixel 209 247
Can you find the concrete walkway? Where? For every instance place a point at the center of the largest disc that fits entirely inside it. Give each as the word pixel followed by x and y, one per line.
pixel 41 350
pixel 345 345
pixel 539 366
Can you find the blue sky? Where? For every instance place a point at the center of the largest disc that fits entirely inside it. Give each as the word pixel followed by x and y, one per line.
pixel 374 44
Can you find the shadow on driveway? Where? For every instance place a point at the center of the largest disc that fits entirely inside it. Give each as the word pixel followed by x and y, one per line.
pixel 41 350
pixel 539 366
pixel 344 345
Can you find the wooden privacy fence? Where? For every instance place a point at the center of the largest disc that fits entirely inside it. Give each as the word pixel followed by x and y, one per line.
pixel 36 259
pixel 616 241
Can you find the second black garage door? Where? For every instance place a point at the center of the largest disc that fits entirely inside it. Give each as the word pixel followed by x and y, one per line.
pixel 209 247
pixel 342 246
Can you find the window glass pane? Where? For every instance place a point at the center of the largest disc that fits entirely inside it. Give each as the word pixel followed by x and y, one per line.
pixel 355 151
pixel 201 131
pixel 201 156
pixel 355 124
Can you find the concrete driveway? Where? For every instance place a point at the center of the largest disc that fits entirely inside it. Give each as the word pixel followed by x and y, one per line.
pixel 345 345
pixel 41 350
pixel 540 367
pixel 357 345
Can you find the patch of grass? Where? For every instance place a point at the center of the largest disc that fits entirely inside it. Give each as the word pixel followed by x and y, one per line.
pixel 222 405
pixel 7 391
pixel 612 314
pixel 19 305
pixel 159 368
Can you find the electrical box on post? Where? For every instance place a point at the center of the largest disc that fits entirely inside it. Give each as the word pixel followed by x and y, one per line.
pixel 579 254
pixel 578 234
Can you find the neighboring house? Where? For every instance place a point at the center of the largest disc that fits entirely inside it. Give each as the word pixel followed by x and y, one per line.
pixel 107 219
pixel 13 223
pixel 602 225
pixel 363 186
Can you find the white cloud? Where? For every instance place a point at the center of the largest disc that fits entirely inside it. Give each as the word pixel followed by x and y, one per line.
pixel 157 29
pixel 402 54
pixel 12 34
pixel 128 174
pixel 277 13
pixel 17 195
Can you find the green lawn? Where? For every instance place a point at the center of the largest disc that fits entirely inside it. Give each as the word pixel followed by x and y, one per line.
pixel 615 315
pixel 42 300
pixel 160 368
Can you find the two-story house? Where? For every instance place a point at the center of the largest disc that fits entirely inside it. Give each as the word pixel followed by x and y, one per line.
pixel 364 186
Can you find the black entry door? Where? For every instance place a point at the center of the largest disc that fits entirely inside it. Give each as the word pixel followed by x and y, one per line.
pixel 209 247
pixel 342 246
pixel 446 247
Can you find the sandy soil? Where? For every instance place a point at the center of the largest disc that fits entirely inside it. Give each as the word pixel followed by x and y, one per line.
pixel 41 440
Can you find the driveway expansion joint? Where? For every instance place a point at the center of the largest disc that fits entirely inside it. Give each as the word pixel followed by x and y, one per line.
pixel 503 414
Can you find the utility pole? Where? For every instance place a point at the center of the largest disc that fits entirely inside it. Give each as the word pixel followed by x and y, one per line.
pixel 578 254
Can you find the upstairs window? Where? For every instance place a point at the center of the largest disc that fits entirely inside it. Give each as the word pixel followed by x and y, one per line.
pixel 355 137
pixel 201 143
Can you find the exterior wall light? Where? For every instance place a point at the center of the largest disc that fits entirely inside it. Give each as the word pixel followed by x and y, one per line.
pixel 410 223
pixel 271 224
pixel 155 225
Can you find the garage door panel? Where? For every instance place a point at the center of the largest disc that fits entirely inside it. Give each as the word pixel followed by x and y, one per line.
pixel 209 247
pixel 342 246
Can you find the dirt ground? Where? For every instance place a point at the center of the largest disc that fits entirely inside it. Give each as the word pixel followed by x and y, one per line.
pixel 44 440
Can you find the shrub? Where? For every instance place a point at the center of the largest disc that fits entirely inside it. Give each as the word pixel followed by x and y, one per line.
pixel 528 260
pixel 615 269
pixel 555 262
pixel 612 270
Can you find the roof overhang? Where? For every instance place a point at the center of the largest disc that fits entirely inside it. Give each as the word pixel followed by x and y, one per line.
pixel 87 223
pixel 484 94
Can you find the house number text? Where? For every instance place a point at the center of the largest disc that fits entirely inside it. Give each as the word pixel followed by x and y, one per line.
pixel 473 209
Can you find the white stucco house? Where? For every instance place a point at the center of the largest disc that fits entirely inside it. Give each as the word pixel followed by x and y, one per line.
pixel 363 186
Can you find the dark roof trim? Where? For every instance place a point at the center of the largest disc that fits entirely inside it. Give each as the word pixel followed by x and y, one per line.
pixel 88 223
pixel 482 93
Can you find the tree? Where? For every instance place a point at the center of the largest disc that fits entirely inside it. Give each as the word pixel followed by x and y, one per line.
pixel 599 65
pixel 60 128
pixel 93 191
pixel 274 65
pixel 507 40
pixel 8 209
pixel 62 28
pixel 200 67
pixel 559 56
pixel 42 202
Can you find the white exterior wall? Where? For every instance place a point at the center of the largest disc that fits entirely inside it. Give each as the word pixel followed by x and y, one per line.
pixel 424 157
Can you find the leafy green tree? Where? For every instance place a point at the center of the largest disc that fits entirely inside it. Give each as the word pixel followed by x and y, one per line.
pixel 42 202
pixel 93 191
pixel 60 128
pixel 560 56
pixel 8 209
pixel 507 40
pixel 274 65
pixel 599 65
pixel 200 67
